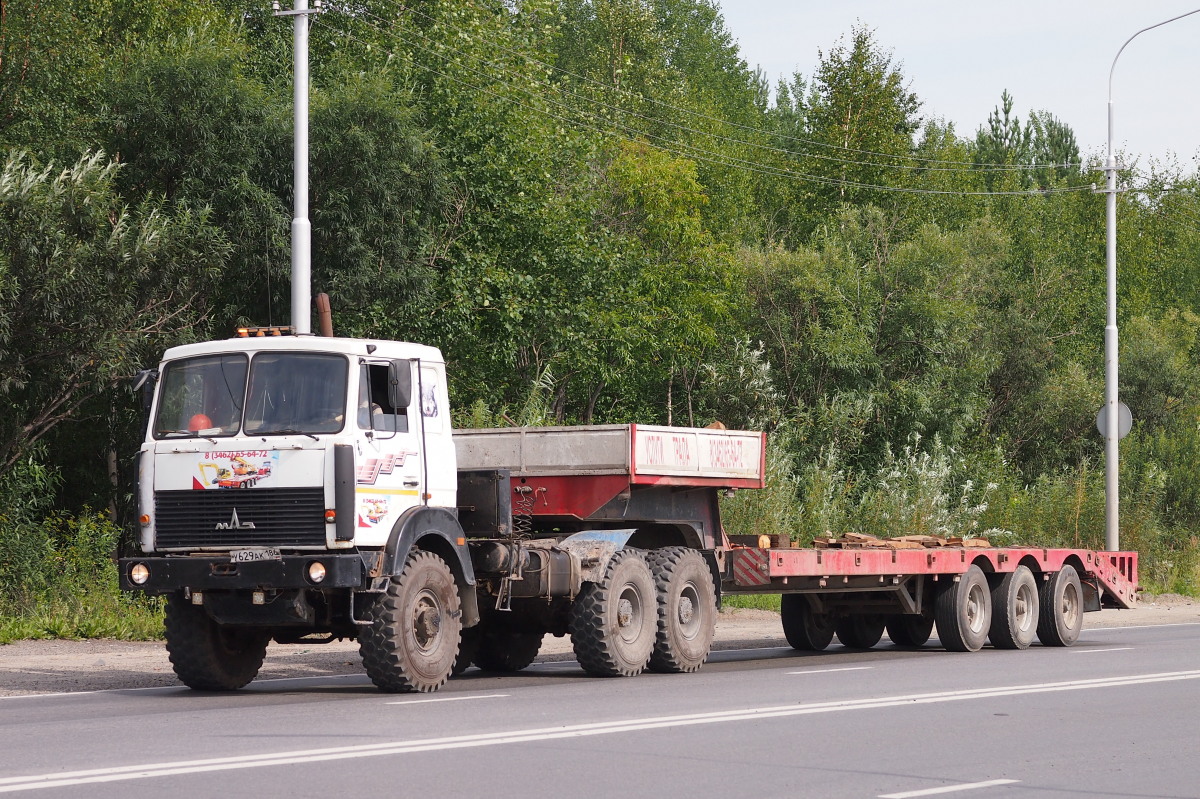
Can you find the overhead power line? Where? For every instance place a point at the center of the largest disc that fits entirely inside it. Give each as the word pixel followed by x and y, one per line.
pixel 699 115
pixel 677 148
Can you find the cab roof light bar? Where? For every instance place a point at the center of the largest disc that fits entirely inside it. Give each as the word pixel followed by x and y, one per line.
pixel 261 332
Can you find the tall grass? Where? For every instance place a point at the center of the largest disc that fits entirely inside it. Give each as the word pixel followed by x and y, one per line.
pixel 58 576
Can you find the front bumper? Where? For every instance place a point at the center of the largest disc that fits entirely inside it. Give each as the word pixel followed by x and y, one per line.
pixel 218 572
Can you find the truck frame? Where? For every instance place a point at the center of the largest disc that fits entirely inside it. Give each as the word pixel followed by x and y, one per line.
pixel 361 514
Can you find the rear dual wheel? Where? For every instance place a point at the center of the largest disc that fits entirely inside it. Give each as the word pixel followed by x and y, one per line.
pixel 686 610
pixel 614 622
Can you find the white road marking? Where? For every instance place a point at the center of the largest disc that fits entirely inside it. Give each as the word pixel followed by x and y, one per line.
pixel 448 699
pixel 1113 649
pixel 966 786
pixel 1140 627
pixel 305 756
pixel 826 671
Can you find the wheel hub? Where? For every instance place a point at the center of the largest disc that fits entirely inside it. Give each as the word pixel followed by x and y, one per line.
pixel 624 612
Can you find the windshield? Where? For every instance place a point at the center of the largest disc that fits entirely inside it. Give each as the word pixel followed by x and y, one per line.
pixel 301 392
pixel 208 396
pixel 202 396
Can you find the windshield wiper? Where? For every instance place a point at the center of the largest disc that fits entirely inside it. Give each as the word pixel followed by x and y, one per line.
pixel 287 431
pixel 186 434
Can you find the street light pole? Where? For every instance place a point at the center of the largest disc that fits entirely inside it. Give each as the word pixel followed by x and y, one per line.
pixel 301 228
pixel 1112 533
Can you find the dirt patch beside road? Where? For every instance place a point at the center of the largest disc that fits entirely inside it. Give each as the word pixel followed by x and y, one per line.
pixel 42 667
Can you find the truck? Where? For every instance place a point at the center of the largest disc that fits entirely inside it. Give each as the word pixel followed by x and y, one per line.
pixel 437 548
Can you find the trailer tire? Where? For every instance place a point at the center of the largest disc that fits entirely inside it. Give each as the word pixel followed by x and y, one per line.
pixel 908 630
pixel 506 650
pixel 860 630
pixel 963 612
pixel 1015 605
pixel 1061 608
pixel 802 627
pixel 687 610
pixel 207 656
pixel 613 622
pixel 412 641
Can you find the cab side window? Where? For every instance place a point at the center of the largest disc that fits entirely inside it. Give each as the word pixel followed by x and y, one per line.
pixel 375 409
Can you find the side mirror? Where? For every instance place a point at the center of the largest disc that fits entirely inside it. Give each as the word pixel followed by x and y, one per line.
pixel 145 381
pixel 399 384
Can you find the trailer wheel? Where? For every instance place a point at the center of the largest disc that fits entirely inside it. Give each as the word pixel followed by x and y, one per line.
pixel 963 612
pixel 613 622
pixel 1014 610
pixel 411 643
pixel 687 610
pixel 909 630
pixel 803 628
pixel 207 656
pixel 1061 606
pixel 860 631
pixel 503 649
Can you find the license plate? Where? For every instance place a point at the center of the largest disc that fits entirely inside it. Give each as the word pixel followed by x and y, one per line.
pixel 251 555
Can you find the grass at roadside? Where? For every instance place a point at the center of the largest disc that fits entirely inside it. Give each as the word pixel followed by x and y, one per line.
pixel 97 614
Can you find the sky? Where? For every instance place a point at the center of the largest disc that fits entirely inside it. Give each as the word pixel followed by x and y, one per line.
pixel 1054 55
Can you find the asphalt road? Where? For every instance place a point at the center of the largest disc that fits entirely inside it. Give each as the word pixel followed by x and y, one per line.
pixel 1117 715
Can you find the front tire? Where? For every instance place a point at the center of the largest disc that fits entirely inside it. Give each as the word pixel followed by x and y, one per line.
pixel 207 656
pixel 687 610
pixel 412 641
pixel 613 623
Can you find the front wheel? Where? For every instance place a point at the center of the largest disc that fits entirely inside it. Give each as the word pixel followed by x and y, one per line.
pixel 207 656
pixel 613 622
pixel 411 643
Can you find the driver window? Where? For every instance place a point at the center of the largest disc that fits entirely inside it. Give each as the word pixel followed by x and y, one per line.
pixel 375 411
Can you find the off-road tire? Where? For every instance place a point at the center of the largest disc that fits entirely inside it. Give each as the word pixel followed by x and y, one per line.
pixel 207 656
pixel 412 641
pixel 860 630
pixel 804 629
pixel 1015 610
pixel 963 611
pixel 1060 618
pixel 909 630
pixel 613 622
pixel 506 650
pixel 687 610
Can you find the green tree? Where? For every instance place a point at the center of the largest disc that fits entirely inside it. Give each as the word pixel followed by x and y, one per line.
pixel 93 287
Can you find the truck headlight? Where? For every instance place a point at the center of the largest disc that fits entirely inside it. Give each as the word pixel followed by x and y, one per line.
pixel 316 571
pixel 139 573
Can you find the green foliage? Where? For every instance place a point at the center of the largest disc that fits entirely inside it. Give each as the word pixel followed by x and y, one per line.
pixel 89 283
pixel 596 212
